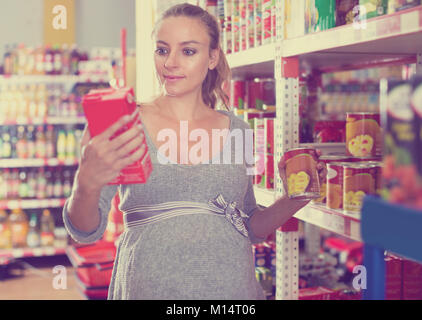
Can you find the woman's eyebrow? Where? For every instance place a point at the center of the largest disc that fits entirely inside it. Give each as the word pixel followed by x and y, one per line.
pixel 181 43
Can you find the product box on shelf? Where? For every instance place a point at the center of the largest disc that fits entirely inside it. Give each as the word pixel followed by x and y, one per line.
pixel 269 136
pixel 318 293
pixel 266 21
pixel 373 8
pixel 401 145
pixel 346 11
pixel 103 108
pixel 416 103
pixel 319 15
pixel 269 171
pixel 398 5
pixel 236 25
pixel 227 35
pixel 412 280
pixel 258 22
pixel 393 278
pixel 294 19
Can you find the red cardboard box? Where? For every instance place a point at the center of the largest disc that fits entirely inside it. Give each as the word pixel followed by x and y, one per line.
pixel 393 278
pixel 104 107
pixel 412 280
pixel 269 171
pixel 318 293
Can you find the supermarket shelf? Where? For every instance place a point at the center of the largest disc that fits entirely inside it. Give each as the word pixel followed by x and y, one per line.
pixel 255 62
pixel 6 255
pixel 47 120
pixel 397 35
pixel 326 148
pixel 347 225
pixel 32 203
pixel 52 78
pixel 336 221
pixel 23 163
pixel 264 197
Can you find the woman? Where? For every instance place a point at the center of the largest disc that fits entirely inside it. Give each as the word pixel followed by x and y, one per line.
pixel 189 228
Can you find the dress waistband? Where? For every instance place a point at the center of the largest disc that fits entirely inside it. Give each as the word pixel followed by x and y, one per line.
pixel 146 214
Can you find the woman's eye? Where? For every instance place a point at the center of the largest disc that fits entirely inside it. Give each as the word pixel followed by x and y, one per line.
pixel 189 52
pixel 161 51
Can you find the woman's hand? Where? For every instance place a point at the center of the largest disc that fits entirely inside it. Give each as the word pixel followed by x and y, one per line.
pixel 102 158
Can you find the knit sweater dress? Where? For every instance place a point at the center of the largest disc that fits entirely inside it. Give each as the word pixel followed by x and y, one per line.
pixel 193 256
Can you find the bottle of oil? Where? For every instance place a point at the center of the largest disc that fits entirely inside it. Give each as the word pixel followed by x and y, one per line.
pixel 19 228
pixel 5 236
pixel 33 238
pixel 47 228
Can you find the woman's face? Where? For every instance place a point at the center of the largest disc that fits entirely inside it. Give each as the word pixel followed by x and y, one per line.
pixel 182 56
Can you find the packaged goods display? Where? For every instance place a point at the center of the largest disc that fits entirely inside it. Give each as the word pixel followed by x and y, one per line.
pixel 42 60
pixel 331 177
pixel 363 134
pixel 335 185
pixel 31 229
pixel 256 94
pixel 373 8
pixel 398 5
pixel 319 15
pixel 103 108
pixel 401 178
pixel 359 180
pixel 264 152
pixel 247 24
pixel 301 173
pixel 36 183
pixel 346 11
pixel 294 19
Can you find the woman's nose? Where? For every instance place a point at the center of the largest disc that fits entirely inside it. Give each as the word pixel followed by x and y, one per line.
pixel 171 61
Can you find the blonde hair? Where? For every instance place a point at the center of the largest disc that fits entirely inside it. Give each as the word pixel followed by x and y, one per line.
pixel 212 86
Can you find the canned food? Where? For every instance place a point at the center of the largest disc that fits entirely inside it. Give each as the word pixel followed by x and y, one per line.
pixel 363 134
pixel 358 181
pixel 302 174
pixel 335 185
pixel 326 159
pixel 378 176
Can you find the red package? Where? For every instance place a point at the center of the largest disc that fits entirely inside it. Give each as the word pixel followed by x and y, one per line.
pixel 393 278
pixel 318 293
pixel 412 280
pixel 104 107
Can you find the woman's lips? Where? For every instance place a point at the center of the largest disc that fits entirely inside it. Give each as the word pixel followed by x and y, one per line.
pixel 173 78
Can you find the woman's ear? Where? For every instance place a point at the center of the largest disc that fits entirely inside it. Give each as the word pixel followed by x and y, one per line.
pixel 214 58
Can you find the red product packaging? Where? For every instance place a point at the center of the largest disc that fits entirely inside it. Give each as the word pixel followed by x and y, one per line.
pixel 269 171
pixel 412 280
pixel 269 136
pixel 318 293
pixel 259 254
pixel 393 278
pixel 104 107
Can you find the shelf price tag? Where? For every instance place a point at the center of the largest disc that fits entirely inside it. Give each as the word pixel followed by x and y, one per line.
pixel 18 253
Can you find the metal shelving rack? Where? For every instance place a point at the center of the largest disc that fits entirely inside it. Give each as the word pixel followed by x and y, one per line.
pixel 8 255
pixel 388 39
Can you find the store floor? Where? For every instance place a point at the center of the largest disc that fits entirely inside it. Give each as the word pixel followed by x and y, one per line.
pixel 33 279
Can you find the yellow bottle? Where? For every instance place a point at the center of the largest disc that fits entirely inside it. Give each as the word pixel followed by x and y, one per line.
pixel 47 228
pixel 19 227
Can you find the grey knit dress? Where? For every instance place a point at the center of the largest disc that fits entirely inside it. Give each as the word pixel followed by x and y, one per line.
pixel 192 256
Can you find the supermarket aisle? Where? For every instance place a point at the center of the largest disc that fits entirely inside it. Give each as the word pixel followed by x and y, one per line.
pixel 37 284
